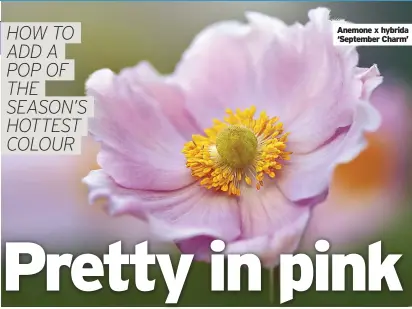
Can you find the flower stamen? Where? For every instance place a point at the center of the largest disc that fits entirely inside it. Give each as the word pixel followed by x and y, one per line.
pixel 239 150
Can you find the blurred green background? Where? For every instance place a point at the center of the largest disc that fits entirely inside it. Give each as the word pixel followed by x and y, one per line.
pixel 43 199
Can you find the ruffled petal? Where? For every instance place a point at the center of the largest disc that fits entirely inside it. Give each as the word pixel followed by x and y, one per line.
pixel 176 215
pixel 217 72
pixel 326 114
pixel 312 106
pixel 367 193
pixel 142 125
pixel 306 175
pixel 370 78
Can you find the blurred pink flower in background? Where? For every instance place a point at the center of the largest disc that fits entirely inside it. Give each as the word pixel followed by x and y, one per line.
pixel 368 194
pixel 43 201
pixel 144 120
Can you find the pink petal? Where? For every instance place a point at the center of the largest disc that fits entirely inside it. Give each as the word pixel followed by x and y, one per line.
pixel 271 224
pixel 370 78
pixel 176 215
pixel 264 211
pixel 313 106
pixel 285 239
pixel 326 114
pixel 307 175
pixel 217 72
pixel 142 125
pixel 372 206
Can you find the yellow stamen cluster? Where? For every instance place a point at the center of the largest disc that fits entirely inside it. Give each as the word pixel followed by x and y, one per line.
pixel 238 150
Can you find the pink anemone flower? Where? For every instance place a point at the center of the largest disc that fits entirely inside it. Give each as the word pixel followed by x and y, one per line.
pixel 240 142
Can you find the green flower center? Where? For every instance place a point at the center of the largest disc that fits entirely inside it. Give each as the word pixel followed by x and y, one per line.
pixel 237 146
